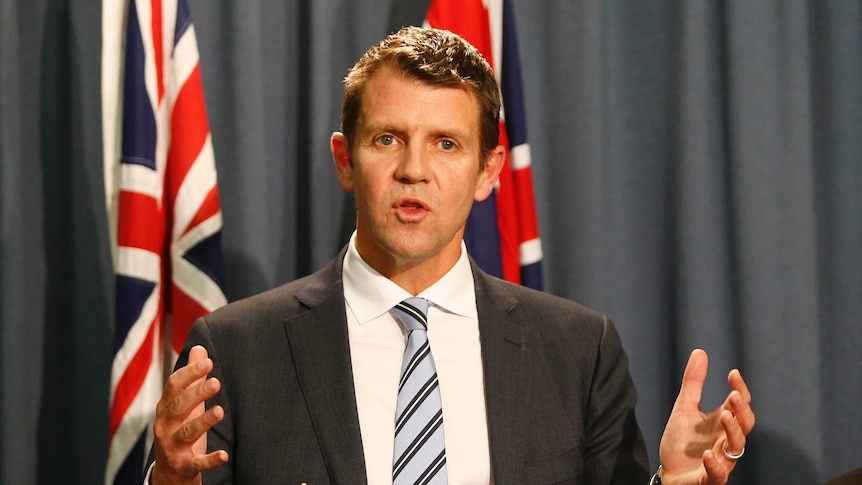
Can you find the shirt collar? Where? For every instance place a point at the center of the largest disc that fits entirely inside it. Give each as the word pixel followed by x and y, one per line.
pixel 370 294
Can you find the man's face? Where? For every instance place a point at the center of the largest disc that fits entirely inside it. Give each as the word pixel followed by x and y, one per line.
pixel 415 171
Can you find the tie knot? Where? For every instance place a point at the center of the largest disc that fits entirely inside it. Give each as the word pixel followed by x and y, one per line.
pixel 412 313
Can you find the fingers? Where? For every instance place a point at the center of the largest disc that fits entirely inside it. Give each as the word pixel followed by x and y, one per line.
pixel 738 402
pixel 209 461
pixel 191 430
pixel 186 471
pixel 198 366
pixel 736 382
pixel 181 417
pixel 738 422
pixel 715 472
pixel 693 378
pixel 197 354
pixel 182 422
pixel 187 387
pixel 742 411
pixel 735 436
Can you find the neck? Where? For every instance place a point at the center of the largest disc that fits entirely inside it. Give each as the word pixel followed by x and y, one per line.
pixel 414 275
pixel 417 278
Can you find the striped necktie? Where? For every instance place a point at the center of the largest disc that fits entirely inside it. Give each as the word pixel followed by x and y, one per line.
pixel 420 453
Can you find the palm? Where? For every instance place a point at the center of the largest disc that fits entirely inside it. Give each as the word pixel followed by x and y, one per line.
pixel 688 434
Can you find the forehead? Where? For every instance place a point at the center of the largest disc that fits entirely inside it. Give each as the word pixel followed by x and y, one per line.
pixel 393 100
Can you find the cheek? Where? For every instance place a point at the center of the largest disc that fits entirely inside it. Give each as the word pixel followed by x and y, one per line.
pixel 473 187
pixel 368 193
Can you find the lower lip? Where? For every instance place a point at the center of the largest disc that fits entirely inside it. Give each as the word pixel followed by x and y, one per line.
pixel 410 214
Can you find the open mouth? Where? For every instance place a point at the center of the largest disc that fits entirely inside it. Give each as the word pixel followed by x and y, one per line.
pixel 410 210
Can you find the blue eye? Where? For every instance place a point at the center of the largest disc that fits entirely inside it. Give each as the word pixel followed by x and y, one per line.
pixel 447 145
pixel 386 140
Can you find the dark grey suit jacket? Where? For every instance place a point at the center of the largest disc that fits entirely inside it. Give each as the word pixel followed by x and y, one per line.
pixel 559 397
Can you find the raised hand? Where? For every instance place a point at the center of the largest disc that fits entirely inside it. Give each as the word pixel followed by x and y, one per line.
pixel 700 448
pixel 182 423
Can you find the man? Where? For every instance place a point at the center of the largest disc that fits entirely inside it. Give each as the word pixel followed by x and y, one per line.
pixel 304 379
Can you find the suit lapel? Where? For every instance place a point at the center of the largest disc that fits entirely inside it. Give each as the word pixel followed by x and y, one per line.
pixel 319 343
pixel 505 358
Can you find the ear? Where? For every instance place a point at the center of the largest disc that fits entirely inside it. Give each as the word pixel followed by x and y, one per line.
pixel 341 157
pixel 489 175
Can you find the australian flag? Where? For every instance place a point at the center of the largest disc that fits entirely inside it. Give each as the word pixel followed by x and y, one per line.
pixel 502 232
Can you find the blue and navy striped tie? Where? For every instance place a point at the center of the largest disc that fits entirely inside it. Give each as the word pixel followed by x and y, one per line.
pixel 420 452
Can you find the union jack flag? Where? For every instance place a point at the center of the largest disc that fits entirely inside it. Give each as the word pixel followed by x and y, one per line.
pixel 502 232
pixel 168 259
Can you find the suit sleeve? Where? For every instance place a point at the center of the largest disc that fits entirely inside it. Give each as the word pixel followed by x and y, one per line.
pixel 614 449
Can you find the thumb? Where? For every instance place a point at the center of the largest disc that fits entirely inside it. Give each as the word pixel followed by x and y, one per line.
pixel 693 379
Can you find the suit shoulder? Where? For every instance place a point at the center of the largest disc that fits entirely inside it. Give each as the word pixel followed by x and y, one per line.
pixel 548 317
pixel 282 302
pixel 524 299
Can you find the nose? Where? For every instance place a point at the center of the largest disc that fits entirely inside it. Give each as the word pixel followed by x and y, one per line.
pixel 414 167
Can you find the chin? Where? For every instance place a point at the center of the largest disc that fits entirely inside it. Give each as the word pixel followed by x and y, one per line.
pixel 413 246
pixel 411 251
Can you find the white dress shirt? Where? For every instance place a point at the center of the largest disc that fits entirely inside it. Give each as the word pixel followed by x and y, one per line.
pixel 377 344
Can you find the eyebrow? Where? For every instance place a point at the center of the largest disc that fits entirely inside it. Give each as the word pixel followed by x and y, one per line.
pixel 457 134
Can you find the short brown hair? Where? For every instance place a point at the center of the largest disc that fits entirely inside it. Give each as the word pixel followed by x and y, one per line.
pixel 437 58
